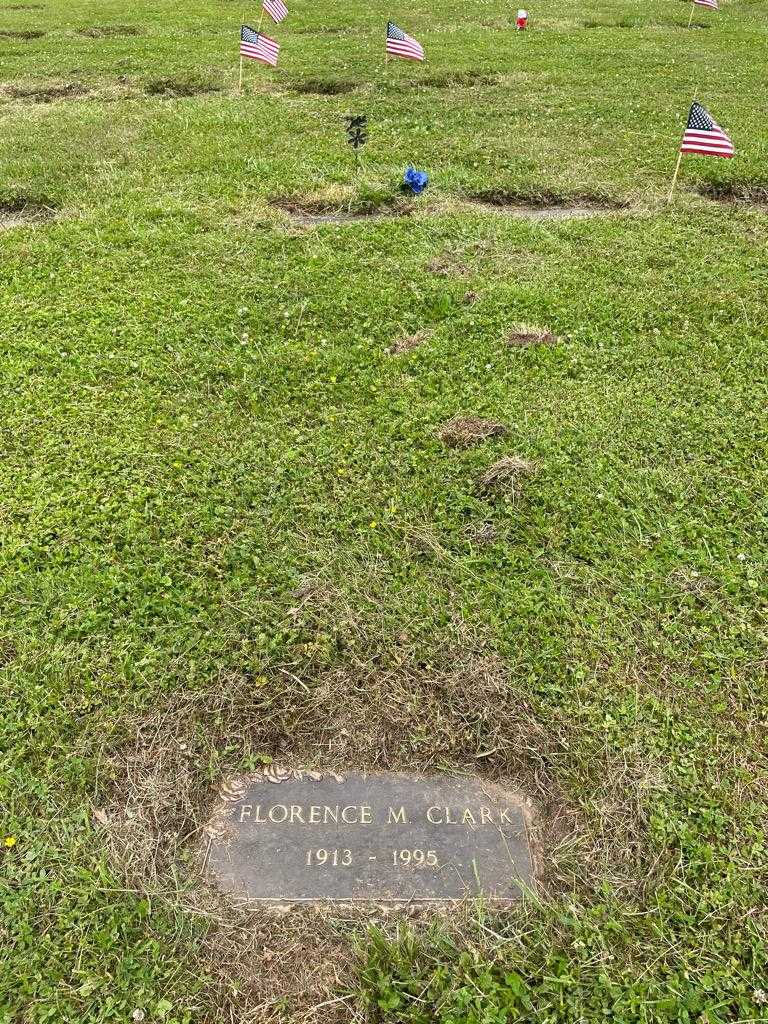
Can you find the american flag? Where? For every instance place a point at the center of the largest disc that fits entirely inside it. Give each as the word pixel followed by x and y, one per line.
pixel 707 3
pixel 401 45
pixel 704 135
pixel 257 46
pixel 277 10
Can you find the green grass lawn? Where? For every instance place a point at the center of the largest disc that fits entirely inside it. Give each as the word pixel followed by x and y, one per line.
pixel 231 534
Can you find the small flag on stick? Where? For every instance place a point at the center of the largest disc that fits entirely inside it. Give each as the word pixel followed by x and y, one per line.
pixel 276 9
pixel 401 45
pixel 256 46
pixel 704 136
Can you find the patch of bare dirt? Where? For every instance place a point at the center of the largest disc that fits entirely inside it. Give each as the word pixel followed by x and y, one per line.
pixel 324 30
pixel 110 31
pixel 22 34
pixel 508 476
pixel 324 87
pixel 22 211
pixel 622 23
pixel 311 212
pixel 457 79
pixel 470 298
pixel 740 193
pixel 544 205
pixel 177 88
pixel 408 342
pixel 526 336
pixel 45 93
pixel 464 431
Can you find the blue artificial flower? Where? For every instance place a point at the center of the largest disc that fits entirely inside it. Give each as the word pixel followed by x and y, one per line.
pixel 415 181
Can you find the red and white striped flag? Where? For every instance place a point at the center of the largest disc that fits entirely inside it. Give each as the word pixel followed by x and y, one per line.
pixel 277 10
pixel 401 45
pixel 256 46
pixel 707 3
pixel 704 135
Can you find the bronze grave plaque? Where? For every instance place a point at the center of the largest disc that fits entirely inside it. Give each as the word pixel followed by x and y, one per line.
pixel 297 836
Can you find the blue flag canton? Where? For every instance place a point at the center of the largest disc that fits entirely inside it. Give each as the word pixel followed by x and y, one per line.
pixel 248 34
pixel 699 120
pixel 393 32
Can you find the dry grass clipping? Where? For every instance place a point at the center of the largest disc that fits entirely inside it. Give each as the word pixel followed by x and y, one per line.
pixel 481 533
pixel 447 266
pixel 525 336
pixel 506 475
pixel 686 581
pixel 464 431
pixel 408 343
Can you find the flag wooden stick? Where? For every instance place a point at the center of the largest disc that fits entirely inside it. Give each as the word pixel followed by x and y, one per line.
pixel 240 82
pixel 674 176
pixel 261 19
pixel 679 157
pixel 693 8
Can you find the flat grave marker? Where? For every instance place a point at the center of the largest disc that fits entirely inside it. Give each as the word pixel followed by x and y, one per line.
pixel 298 836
